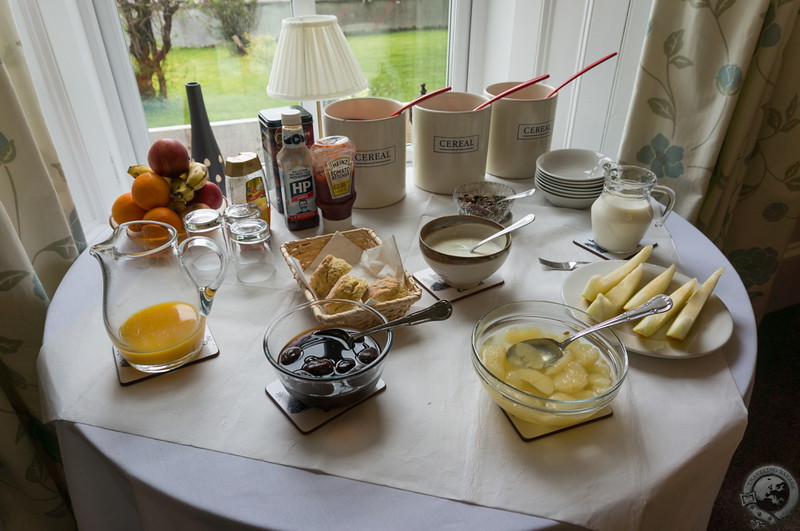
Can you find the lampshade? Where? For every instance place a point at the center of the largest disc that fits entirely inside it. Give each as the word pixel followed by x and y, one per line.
pixel 313 61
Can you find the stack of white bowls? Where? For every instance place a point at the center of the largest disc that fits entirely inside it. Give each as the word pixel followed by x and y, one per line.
pixel 571 178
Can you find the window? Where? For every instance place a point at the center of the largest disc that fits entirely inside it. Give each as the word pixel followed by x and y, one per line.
pixel 78 58
pixel 228 48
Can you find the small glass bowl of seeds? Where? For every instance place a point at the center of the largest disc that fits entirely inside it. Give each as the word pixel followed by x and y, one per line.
pixel 484 199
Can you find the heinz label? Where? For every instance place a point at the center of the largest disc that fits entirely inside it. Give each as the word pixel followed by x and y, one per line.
pixel 338 172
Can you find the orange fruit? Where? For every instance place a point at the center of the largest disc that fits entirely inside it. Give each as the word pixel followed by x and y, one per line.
pixel 165 215
pixel 124 209
pixel 150 191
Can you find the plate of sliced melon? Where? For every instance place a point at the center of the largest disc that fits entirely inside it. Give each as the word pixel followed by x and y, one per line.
pixel 698 324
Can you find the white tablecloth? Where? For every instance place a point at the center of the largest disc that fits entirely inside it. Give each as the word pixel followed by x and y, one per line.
pixel 434 431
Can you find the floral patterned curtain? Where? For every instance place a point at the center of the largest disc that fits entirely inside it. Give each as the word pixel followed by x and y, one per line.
pixel 40 237
pixel 714 115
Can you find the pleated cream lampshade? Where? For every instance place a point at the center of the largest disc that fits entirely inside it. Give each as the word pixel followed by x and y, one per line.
pixel 313 61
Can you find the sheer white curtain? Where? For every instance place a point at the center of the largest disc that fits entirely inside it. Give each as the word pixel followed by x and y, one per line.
pixel 714 115
pixel 39 237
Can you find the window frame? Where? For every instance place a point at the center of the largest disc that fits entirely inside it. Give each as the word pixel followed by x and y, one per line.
pixel 76 50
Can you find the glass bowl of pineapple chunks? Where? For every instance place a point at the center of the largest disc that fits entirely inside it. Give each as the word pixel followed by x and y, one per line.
pixel 576 387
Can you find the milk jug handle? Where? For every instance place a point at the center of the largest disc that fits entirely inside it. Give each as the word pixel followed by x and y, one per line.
pixel 669 193
pixel 207 291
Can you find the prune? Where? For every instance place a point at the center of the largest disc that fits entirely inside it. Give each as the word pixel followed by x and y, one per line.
pixel 319 355
pixel 345 365
pixel 289 355
pixel 368 355
pixel 318 366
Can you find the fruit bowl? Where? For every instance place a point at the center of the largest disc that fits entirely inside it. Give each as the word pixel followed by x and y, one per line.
pixel 576 387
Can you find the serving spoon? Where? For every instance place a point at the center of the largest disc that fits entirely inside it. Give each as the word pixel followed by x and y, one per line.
pixel 514 226
pixel 438 311
pixel 542 352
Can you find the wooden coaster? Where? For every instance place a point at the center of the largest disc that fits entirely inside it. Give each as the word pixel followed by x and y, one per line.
pixel 588 243
pixel 128 375
pixel 529 431
pixel 306 418
pixel 437 287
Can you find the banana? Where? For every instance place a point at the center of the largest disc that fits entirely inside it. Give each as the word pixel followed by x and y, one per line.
pixel 138 169
pixel 198 184
pixel 196 175
pixel 181 191
pixel 179 207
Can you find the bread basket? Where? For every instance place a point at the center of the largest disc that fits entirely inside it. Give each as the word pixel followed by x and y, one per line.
pixel 306 250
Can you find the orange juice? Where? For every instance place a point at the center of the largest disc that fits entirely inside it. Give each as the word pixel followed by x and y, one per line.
pixel 161 334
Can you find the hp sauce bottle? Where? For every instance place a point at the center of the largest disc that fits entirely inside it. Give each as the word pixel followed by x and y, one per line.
pixel 296 170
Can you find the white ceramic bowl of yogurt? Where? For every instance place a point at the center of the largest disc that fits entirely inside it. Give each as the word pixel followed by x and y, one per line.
pixel 445 244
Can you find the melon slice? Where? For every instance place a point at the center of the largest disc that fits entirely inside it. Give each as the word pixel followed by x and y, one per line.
pixel 660 284
pixel 600 308
pixel 612 301
pixel 652 323
pixel 601 284
pixel 683 323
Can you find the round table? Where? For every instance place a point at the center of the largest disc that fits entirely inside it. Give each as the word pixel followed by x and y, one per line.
pixel 122 481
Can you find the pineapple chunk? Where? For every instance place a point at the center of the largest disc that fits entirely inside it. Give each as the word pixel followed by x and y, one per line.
pixel 601 284
pixel 650 324
pixel 494 356
pixel 683 323
pixel 660 284
pixel 536 379
pixel 572 379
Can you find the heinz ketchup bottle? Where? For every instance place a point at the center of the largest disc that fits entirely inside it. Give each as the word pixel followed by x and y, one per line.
pixel 334 180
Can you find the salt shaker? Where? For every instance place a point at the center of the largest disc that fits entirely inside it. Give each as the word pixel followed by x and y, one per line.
pixel 250 250
pixel 206 222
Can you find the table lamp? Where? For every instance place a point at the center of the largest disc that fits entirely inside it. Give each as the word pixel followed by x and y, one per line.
pixel 313 61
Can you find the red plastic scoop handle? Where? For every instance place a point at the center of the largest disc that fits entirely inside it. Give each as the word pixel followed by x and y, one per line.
pixel 417 100
pixel 512 89
pixel 582 71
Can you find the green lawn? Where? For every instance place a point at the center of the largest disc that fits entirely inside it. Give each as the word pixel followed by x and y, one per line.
pixel 234 87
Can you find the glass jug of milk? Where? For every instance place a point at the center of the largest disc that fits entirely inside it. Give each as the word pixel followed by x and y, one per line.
pixel 624 211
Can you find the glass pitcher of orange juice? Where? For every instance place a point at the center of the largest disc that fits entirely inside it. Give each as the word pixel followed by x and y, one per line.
pixel 154 305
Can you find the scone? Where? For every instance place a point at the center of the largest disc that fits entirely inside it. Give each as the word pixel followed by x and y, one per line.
pixel 347 287
pixel 327 273
pixel 385 289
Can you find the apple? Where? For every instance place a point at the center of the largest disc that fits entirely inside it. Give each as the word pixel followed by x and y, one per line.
pixel 168 157
pixel 210 194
